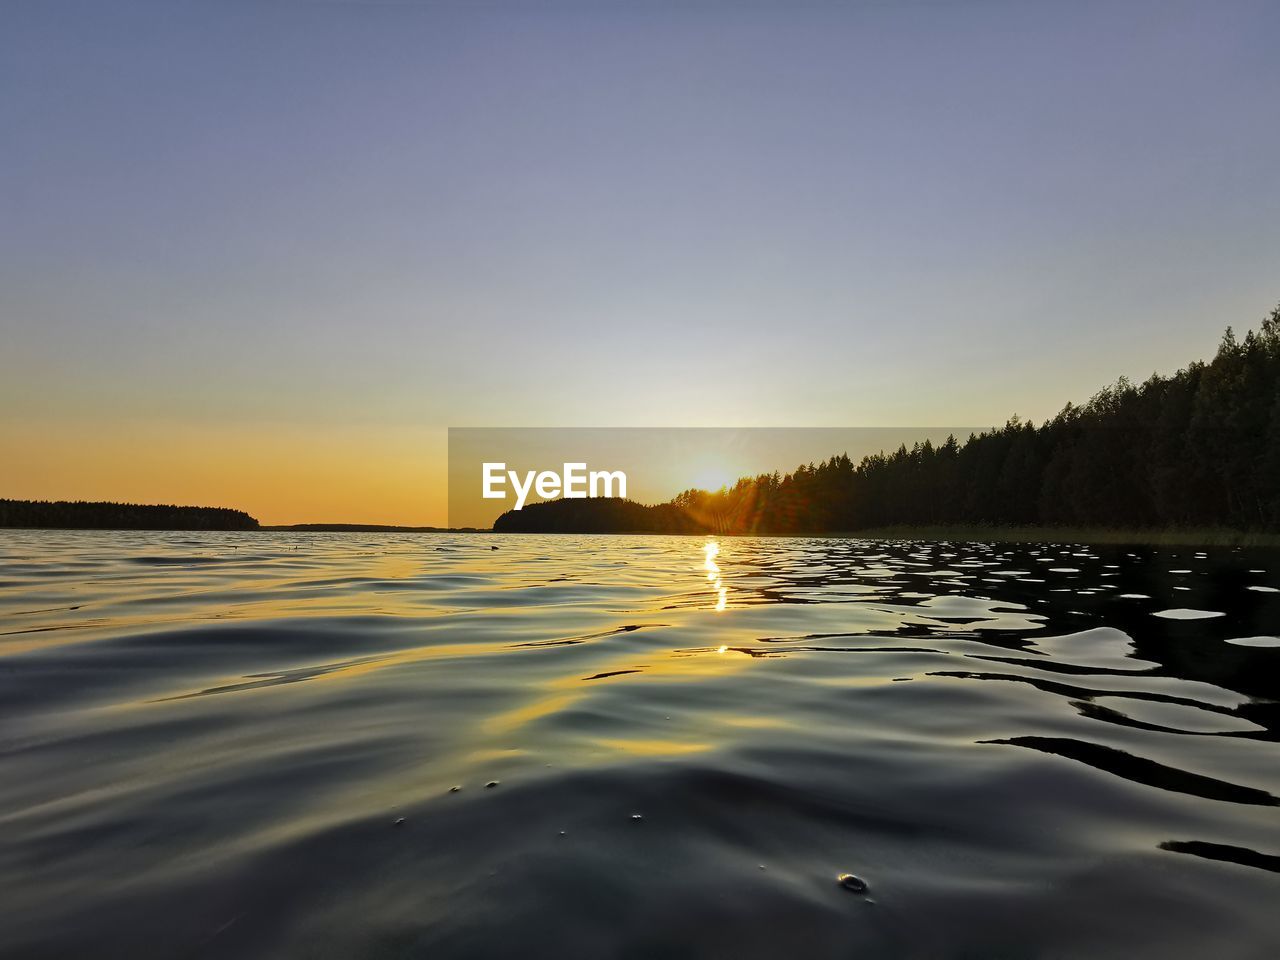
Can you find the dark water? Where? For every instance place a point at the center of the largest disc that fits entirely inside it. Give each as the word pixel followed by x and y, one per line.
pixel 206 742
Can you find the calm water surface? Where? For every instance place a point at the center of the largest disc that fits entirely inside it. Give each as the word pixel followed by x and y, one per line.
pixel 246 745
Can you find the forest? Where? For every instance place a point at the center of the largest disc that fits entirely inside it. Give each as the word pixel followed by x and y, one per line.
pixel 86 515
pixel 1199 448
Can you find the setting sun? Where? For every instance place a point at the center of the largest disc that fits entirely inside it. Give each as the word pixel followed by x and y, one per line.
pixel 712 477
pixel 618 480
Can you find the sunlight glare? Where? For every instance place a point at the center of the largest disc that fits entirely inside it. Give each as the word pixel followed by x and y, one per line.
pixel 712 550
pixel 712 478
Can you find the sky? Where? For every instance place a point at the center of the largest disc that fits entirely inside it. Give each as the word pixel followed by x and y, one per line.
pixel 263 253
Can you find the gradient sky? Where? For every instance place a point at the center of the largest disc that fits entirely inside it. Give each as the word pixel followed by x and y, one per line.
pixel 261 254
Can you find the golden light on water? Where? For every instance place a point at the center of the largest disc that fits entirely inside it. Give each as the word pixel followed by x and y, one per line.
pixel 712 550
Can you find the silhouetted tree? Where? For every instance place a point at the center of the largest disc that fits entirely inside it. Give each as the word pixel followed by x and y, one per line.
pixel 81 514
pixel 1198 448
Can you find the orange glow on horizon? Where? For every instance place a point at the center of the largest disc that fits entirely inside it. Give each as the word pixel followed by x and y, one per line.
pixel 278 473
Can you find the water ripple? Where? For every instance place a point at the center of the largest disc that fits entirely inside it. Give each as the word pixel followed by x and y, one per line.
pixel 278 745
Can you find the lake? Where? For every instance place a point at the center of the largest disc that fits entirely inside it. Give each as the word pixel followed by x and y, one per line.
pixel 432 745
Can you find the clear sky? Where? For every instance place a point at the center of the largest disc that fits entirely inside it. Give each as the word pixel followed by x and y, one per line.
pixel 261 253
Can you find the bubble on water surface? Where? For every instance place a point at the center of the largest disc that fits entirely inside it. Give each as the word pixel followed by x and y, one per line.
pixel 852 882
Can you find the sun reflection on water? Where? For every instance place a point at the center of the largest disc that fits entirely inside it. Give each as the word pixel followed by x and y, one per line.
pixel 712 550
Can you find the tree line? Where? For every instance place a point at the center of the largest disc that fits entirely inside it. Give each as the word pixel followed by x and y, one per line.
pixel 1199 448
pixel 82 514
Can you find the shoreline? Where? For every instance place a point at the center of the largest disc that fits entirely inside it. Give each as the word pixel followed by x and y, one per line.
pixel 1188 537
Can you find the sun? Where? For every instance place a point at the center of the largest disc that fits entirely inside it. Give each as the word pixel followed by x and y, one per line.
pixel 712 477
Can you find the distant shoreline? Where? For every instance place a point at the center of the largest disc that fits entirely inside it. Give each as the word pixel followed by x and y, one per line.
pixel 263 528
pixel 1209 537
pixel 109 515
pixel 1190 537
pixel 106 516
pixel 362 528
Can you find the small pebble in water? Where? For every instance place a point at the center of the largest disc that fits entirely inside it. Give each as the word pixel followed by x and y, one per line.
pixel 491 784
pixel 851 882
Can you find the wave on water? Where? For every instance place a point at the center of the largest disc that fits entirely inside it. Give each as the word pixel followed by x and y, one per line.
pixel 373 745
